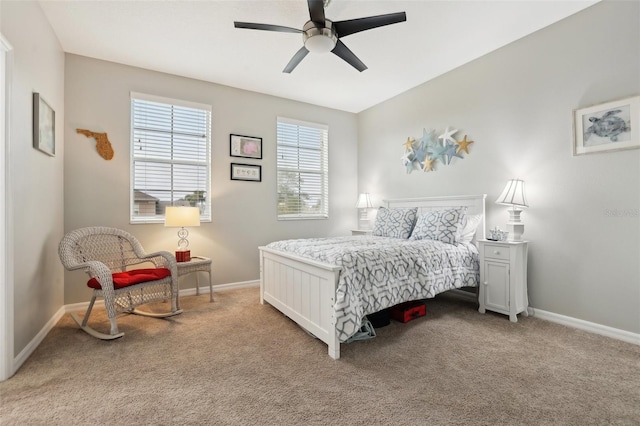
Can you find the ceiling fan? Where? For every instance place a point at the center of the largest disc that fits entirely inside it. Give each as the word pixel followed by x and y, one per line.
pixel 322 35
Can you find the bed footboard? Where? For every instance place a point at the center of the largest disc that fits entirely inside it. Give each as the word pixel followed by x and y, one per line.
pixel 303 290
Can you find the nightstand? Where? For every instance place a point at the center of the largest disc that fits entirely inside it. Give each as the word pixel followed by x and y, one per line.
pixel 197 264
pixel 361 231
pixel 503 277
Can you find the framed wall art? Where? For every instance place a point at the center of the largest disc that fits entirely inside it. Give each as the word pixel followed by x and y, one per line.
pixel 250 172
pixel 245 146
pixel 44 126
pixel 610 126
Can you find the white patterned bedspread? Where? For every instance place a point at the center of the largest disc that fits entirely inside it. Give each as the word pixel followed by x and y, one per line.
pixel 380 272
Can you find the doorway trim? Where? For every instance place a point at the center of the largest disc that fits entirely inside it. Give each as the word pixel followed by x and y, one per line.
pixel 6 215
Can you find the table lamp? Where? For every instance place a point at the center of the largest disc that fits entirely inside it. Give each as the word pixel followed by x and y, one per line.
pixel 363 204
pixel 513 195
pixel 182 216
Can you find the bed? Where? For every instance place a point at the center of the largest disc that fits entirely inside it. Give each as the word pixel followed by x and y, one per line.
pixel 313 281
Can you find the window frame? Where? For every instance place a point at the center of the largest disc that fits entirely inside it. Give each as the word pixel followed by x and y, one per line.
pixel 159 218
pixel 324 166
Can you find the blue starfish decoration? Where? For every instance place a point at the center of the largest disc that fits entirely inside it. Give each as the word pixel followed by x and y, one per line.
pixel 427 139
pixel 410 166
pixel 419 154
pixel 438 152
pixel 451 151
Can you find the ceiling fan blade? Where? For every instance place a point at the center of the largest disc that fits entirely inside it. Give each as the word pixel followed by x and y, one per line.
pixel 343 52
pixel 316 11
pixel 352 26
pixel 266 27
pixel 299 56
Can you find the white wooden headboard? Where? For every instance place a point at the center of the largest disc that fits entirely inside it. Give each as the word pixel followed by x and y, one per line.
pixel 475 204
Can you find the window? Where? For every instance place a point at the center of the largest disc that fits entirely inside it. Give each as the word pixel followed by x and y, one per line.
pixel 303 170
pixel 170 157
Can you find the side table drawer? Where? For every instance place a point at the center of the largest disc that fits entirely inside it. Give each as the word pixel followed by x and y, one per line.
pixel 496 252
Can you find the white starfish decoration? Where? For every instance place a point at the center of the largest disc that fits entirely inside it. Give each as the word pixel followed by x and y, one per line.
pixel 447 136
pixel 405 158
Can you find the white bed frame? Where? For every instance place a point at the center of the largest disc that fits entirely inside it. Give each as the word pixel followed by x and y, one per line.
pixel 304 289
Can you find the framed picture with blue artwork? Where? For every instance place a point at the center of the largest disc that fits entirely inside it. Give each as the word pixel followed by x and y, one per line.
pixel 610 126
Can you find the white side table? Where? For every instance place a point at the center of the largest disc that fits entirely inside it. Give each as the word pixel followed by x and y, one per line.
pixel 503 277
pixel 361 231
pixel 196 264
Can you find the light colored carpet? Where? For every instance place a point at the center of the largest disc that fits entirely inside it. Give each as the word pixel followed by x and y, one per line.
pixel 236 362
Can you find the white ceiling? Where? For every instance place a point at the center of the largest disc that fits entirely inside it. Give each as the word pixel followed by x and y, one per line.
pixel 197 39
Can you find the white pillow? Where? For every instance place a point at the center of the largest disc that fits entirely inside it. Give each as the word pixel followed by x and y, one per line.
pixel 468 229
pixel 440 225
pixel 394 222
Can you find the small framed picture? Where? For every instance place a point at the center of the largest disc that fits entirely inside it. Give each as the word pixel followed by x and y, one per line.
pixel 245 146
pixel 44 126
pixel 611 126
pixel 250 172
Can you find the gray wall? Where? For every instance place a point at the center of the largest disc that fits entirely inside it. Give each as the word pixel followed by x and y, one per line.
pixel 37 206
pixel 244 213
pixel 516 104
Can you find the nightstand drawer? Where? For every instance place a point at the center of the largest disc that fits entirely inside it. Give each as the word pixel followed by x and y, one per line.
pixel 496 252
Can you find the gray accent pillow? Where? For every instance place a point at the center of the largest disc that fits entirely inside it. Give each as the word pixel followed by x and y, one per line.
pixel 439 225
pixel 395 222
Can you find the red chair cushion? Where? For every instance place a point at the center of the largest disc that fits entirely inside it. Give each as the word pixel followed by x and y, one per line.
pixel 135 276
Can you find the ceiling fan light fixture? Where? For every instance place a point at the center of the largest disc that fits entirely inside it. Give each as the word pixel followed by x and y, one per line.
pixel 319 39
pixel 319 44
pixel 321 35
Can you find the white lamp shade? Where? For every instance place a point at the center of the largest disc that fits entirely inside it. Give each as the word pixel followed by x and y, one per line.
pixel 364 202
pixel 513 194
pixel 181 216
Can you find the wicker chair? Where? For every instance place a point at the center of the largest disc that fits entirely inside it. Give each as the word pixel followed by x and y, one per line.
pixel 107 254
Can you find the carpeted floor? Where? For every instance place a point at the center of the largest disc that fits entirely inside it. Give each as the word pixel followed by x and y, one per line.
pixel 236 362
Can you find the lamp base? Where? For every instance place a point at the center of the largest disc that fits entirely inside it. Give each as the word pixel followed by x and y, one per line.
pixel 183 255
pixel 515 226
pixel 515 231
pixel 363 220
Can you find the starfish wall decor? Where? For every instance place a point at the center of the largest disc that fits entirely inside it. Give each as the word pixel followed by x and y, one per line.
pixel 424 153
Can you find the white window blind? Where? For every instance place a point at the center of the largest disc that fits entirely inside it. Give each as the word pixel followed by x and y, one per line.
pixel 303 169
pixel 170 156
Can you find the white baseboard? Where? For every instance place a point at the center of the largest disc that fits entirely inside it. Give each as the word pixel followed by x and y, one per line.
pixel 592 327
pixel 603 330
pixel 82 306
pixel 33 344
pixel 241 284
pixel 74 307
pixel 205 289
pixel 464 294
